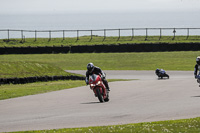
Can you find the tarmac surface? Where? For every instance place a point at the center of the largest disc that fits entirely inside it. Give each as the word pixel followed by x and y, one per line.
pixel 143 100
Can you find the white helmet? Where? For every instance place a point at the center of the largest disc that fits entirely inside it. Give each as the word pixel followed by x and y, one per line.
pixel 198 60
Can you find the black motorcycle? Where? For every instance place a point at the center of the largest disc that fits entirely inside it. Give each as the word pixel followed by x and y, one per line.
pixel 161 73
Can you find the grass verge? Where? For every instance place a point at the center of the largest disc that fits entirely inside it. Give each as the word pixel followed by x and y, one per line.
pixel 18 90
pixel 184 60
pixel 171 126
pixel 22 69
pixel 96 40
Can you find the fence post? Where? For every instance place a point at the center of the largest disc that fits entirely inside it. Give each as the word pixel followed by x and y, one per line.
pixel 91 36
pixel 77 35
pixel 119 35
pixel 188 32
pixel 35 35
pixel 132 34
pixel 160 33
pixel 104 34
pixel 49 35
pixel 146 34
pixel 63 35
pixel 174 31
pixel 8 35
pixel 22 34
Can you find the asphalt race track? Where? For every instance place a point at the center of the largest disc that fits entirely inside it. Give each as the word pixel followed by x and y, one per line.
pixel 143 100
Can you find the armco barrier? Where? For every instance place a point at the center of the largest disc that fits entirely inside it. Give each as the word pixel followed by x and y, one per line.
pixel 147 47
pixel 37 79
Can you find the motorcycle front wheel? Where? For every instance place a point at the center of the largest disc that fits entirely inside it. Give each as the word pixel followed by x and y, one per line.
pixel 99 95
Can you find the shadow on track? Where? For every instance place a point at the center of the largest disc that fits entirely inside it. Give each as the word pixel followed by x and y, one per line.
pixel 195 96
pixel 91 103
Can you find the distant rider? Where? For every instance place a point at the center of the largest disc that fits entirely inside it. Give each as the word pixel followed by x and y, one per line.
pixel 91 69
pixel 160 71
pixel 196 69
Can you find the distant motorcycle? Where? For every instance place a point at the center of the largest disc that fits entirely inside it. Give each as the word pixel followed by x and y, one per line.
pixel 99 89
pixel 161 73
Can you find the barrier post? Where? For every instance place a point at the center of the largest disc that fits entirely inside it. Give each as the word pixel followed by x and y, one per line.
pixel 104 34
pixel 174 31
pixel 146 34
pixel 132 34
pixel 22 34
pixel 35 35
pixel 119 35
pixel 63 35
pixel 160 33
pixel 77 35
pixel 49 35
pixel 188 32
pixel 8 35
pixel 91 36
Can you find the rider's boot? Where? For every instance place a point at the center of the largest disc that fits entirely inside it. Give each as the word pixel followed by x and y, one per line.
pixel 106 84
pixel 107 87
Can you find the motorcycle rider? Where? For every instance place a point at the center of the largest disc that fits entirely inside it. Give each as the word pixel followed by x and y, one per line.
pixel 196 69
pixel 91 69
pixel 160 71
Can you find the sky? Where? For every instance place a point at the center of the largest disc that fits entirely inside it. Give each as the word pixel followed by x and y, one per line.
pixel 94 6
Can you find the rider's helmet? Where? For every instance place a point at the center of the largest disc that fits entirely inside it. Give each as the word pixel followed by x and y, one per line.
pixel 198 60
pixel 157 70
pixel 90 67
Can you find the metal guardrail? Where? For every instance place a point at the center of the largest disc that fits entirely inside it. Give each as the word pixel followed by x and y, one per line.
pixel 132 31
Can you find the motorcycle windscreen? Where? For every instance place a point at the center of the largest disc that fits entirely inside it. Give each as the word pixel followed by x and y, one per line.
pixel 92 78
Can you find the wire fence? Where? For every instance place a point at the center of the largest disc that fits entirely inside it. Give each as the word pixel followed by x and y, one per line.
pixel 132 32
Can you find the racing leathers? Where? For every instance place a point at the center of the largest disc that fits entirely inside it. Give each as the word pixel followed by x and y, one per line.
pixel 196 69
pixel 97 71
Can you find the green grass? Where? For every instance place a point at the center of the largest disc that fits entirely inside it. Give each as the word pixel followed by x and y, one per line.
pixel 97 40
pixel 18 90
pixel 113 61
pixel 172 126
pixel 22 69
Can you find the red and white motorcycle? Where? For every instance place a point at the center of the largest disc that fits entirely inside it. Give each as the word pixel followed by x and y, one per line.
pixel 98 87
